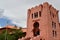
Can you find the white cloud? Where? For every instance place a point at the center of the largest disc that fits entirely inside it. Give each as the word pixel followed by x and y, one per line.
pixel 17 19
pixel 16 10
pixel 8 14
pixel 0 27
pixel 1 12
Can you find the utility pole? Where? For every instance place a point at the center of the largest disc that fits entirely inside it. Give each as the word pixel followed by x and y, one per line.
pixel 6 30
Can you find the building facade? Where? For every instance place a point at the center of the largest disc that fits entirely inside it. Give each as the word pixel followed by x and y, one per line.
pixel 43 21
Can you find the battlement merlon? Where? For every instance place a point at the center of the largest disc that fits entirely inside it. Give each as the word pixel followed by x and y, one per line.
pixel 42 5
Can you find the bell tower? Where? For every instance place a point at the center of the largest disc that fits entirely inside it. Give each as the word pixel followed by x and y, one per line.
pixel 43 20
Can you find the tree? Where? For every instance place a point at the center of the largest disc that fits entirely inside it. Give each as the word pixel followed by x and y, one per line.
pixel 3 35
pixel 13 35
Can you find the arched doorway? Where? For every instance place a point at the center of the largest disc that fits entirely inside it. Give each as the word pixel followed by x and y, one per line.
pixel 36 30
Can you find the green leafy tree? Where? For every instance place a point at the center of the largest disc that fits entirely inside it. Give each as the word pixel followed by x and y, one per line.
pixel 15 34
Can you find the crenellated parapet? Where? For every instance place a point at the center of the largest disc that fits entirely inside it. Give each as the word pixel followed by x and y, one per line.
pixel 41 6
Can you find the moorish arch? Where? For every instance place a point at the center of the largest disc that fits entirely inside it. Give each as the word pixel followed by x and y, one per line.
pixel 36 30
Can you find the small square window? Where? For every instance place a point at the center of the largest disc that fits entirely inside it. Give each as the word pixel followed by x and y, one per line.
pixel 53 15
pixel 36 15
pixel 54 33
pixel 32 15
pixel 40 13
pixel 53 25
pixel 40 39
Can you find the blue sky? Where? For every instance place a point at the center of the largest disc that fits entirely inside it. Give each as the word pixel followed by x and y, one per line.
pixel 15 11
pixel 5 21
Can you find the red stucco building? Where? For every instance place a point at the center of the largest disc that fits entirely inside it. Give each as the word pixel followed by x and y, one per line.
pixel 43 21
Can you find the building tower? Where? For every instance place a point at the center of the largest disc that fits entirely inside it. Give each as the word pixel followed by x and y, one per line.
pixel 43 20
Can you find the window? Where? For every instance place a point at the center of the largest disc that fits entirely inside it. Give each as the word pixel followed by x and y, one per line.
pixel 40 13
pixel 54 25
pixel 36 15
pixel 40 39
pixel 36 24
pixel 32 15
pixel 54 33
pixel 52 14
pixel 36 30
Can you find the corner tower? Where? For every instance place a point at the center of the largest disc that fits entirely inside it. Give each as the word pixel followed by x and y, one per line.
pixel 43 20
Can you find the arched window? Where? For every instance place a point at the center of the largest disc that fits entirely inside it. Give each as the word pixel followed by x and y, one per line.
pixel 36 30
